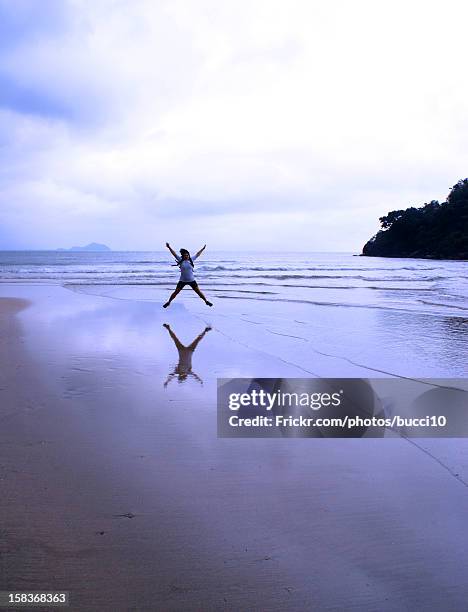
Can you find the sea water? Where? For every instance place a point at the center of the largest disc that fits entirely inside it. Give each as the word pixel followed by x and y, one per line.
pixel 325 314
pixel 333 279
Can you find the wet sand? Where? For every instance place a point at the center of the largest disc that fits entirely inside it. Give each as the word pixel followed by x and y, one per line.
pixel 116 488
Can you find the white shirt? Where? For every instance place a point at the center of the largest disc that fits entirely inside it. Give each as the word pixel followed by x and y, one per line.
pixel 186 270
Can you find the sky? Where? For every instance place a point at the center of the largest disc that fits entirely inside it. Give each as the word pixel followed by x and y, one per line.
pixel 243 124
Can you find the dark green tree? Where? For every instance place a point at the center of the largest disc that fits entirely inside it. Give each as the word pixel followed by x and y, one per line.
pixel 434 230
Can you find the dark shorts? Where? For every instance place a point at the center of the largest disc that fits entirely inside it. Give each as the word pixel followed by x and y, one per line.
pixel 181 284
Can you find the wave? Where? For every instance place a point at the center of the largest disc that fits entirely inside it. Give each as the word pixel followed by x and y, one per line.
pixel 443 305
pixel 387 279
pixel 214 268
pixel 208 268
pixel 406 308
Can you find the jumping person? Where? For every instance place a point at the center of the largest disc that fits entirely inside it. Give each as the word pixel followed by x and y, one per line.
pixel 185 263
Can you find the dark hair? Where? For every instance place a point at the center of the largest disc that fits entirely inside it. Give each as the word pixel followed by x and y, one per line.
pixel 185 252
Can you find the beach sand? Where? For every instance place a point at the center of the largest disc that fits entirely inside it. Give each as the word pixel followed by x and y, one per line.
pixel 116 488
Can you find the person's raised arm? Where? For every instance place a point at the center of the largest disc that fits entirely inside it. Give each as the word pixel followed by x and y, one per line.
pixel 172 250
pixel 200 252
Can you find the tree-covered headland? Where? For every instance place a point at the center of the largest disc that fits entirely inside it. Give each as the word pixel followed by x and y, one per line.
pixel 437 230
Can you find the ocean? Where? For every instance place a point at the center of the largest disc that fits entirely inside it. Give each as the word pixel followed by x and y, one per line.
pixel 438 288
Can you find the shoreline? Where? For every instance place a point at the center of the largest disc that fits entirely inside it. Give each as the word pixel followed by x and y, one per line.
pixel 118 490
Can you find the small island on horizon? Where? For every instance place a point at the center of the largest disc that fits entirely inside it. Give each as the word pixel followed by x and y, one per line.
pixel 433 231
pixel 92 246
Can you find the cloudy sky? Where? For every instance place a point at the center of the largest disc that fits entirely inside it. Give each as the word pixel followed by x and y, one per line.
pixel 245 124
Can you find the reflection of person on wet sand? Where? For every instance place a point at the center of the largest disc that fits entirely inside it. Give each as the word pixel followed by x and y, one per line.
pixel 184 368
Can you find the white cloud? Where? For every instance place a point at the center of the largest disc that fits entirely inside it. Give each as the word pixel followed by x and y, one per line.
pixel 194 118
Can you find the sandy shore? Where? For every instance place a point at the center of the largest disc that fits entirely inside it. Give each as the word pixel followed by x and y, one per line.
pixel 116 488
